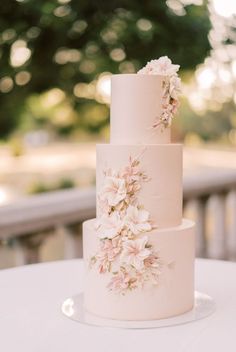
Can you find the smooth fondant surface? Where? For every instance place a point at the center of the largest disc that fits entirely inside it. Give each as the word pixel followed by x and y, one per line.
pixel 135 105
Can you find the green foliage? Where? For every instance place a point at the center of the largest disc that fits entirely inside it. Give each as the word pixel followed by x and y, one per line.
pixel 74 41
pixel 42 187
pixel 212 126
pixel 16 147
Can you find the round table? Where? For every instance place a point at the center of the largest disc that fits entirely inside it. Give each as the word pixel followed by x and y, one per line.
pixel 31 319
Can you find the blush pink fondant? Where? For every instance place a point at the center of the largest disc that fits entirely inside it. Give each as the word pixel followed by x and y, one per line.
pixel 172 296
pixel 139 253
pixel 136 103
pixel 162 194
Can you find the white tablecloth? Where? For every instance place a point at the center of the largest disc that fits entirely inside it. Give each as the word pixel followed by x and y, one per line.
pixel 31 320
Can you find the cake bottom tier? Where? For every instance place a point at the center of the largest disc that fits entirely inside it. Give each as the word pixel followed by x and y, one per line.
pixel 174 293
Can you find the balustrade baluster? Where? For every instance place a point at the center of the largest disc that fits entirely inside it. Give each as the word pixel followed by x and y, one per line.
pixel 20 252
pixel 217 240
pixel 73 241
pixel 199 206
pixel 231 233
pixel 27 248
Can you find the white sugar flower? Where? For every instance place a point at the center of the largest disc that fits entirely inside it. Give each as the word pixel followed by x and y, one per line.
pixel 165 66
pixel 113 191
pixel 135 252
pixel 175 87
pixel 137 220
pixel 109 226
pixel 162 66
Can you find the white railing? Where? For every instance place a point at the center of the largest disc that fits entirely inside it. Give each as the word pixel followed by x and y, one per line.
pixel 27 223
pixel 212 199
pixel 209 198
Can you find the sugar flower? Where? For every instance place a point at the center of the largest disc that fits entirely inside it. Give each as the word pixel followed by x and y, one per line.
pixel 171 88
pixel 109 249
pixel 113 191
pixel 175 87
pixel 131 173
pixel 103 205
pixel 135 252
pixel 162 66
pixel 120 281
pixel 122 253
pixel 109 226
pixel 137 220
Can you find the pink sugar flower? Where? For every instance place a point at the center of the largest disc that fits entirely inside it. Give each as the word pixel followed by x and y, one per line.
pixel 135 252
pixel 111 248
pixel 175 106
pixel 152 261
pixel 131 173
pixel 119 282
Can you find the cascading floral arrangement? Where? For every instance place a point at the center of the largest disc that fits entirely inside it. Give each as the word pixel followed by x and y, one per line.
pixel 171 88
pixel 124 251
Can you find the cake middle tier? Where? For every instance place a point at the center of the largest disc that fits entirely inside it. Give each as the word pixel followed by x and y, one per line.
pixel 160 165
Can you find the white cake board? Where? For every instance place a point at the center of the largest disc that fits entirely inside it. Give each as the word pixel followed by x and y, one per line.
pixel 73 308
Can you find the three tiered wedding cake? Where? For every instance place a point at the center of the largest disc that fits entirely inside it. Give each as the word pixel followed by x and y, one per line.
pixel 139 252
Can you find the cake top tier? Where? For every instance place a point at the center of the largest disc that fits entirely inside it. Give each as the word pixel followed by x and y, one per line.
pixel 144 104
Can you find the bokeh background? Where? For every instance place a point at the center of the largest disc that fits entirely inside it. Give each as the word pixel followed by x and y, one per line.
pixel 56 60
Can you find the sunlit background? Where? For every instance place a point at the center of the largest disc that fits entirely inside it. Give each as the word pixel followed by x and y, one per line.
pixel 56 59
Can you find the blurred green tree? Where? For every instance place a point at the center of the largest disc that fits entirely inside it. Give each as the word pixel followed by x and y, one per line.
pixel 47 44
